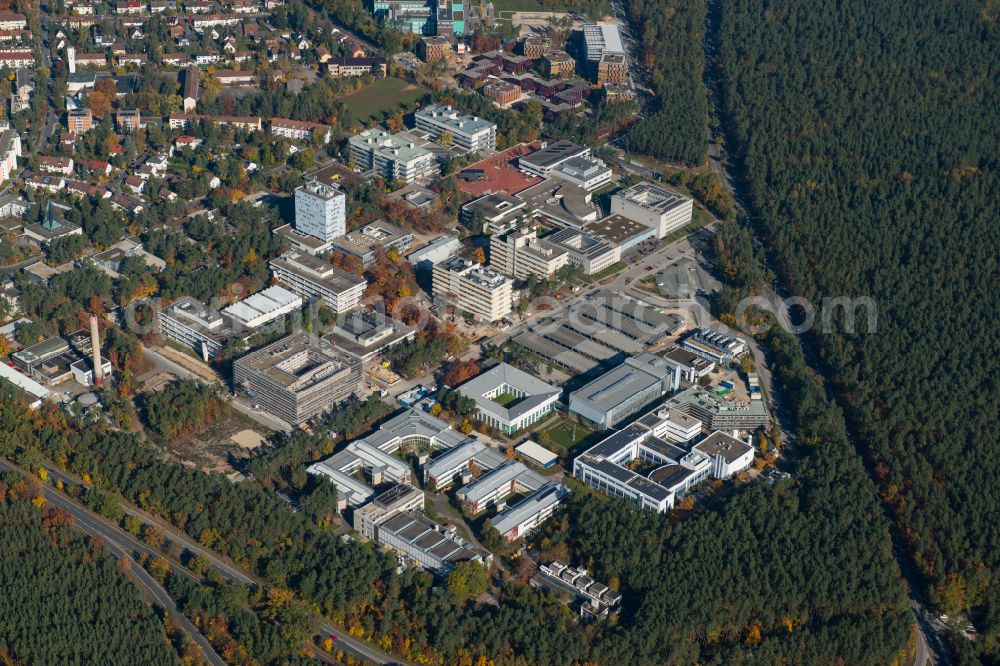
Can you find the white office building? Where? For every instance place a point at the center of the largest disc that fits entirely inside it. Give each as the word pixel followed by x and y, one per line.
pixel 195 325
pixel 529 513
pixel 442 470
pixel 510 399
pixel 312 277
pixel 545 160
pixel 472 133
pixel 425 543
pixel 521 253
pixel 586 172
pixel 601 38
pixel 10 150
pixel 509 478
pixel 394 157
pixel 591 254
pixel 320 210
pixel 680 467
pixel 654 206
pixel 481 291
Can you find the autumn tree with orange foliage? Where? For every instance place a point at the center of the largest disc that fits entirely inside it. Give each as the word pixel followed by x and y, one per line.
pixel 460 372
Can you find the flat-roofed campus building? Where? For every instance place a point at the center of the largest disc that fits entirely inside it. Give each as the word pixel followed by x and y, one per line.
pixel 263 307
pixel 681 460
pixel 510 399
pixel 195 325
pixel 599 597
pixel 657 207
pixel 357 458
pixel 435 252
pixel 521 253
pixel 545 160
pixel 601 38
pixel 312 277
pixel 591 254
pixel 714 345
pixel 686 366
pixel 621 391
pixel 320 210
pixel 366 334
pixel 507 479
pixel 427 544
pixel 373 454
pixel 442 470
pixel 472 133
pixel 33 393
pixel 497 210
pixel 587 172
pixel 483 292
pixel 397 499
pixel 518 520
pixel 362 243
pixel 729 455
pixel 298 377
pixel 536 454
pixel 718 413
pixel 391 156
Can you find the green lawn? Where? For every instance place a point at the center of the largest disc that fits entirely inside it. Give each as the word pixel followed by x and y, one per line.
pixel 505 399
pixel 564 435
pixel 384 95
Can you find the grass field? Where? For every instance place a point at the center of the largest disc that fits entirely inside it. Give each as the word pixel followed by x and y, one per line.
pixel 565 434
pixel 505 399
pixel 384 95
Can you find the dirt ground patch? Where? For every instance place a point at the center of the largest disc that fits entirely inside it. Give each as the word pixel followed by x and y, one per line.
pixel 218 447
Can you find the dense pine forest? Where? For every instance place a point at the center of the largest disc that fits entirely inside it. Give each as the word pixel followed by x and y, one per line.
pixel 670 33
pixel 869 137
pixel 65 600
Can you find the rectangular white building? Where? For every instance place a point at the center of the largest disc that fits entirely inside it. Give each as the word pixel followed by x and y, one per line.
pixel 529 513
pixel 510 399
pixel 320 210
pixel 312 277
pixel 521 253
pixel 391 156
pixel 470 287
pixel 474 134
pixel 654 206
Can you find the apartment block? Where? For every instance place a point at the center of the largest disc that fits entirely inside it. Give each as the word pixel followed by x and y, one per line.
pixel 313 277
pixel 481 291
pixel 472 133
pixel 391 156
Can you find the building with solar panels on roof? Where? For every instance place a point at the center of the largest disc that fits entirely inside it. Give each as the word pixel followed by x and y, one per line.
pixel 671 443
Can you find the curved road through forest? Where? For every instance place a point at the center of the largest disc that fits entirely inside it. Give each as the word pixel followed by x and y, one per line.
pixel 113 535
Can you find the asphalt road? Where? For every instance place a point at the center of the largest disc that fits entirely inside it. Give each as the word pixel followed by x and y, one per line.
pixel 124 546
pixel 112 534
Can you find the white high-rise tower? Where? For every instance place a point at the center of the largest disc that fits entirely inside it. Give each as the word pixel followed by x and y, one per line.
pixel 320 210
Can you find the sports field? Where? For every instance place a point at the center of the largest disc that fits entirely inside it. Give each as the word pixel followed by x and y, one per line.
pixel 384 95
